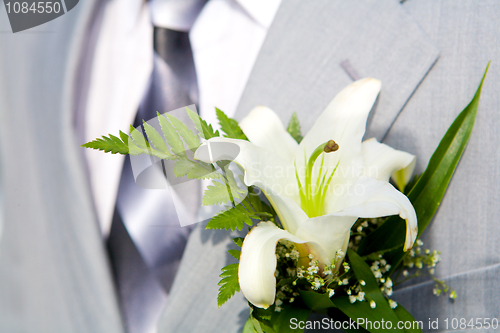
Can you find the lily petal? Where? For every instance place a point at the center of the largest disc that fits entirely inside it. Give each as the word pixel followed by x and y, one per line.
pixel 290 214
pixel 330 232
pixel 263 169
pixel 344 120
pixel 264 129
pixel 258 262
pixel 382 162
pixel 369 198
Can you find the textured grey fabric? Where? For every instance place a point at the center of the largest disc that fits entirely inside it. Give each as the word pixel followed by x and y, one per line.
pixel 192 305
pixel 466 228
pixel 54 272
pixel 299 69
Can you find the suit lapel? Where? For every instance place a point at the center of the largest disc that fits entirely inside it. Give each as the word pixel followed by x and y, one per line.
pixel 313 50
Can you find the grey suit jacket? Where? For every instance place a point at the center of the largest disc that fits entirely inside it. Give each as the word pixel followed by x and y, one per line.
pixel 429 54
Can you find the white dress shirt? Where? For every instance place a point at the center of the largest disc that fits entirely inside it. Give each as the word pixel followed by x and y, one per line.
pixel 226 38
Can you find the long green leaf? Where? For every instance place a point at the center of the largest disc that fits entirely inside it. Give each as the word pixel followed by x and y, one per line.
pixel 316 301
pixel 430 188
pixel 406 318
pixel 288 319
pixel 248 328
pixel 362 310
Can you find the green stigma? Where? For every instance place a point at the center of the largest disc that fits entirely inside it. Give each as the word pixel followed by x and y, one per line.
pixel 312 195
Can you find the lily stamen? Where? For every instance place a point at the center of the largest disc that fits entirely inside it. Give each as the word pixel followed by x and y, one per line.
pixel 312 197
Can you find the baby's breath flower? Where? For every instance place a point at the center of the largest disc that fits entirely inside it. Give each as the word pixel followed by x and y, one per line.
pixel 316 284
pixel 346 266
pixel 294 254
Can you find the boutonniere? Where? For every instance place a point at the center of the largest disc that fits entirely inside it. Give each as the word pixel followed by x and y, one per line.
pixel 328 232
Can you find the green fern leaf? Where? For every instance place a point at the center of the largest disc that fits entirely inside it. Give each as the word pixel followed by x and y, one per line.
pixel 216 194
pixel 235 253
pixel 110 144
pixel 205 130
pixel 232 218
pixel 139 139
pixel 194 170
pixel 238 241
pixel 228 285
pixel 294 128
pixel 172 137
pixel 187 135
pixel 156 140
pixel 230 126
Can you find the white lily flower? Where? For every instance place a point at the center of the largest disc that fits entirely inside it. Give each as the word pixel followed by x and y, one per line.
pixel 317 195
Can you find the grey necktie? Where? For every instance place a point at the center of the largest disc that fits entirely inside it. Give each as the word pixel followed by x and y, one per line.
pixel 146 241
